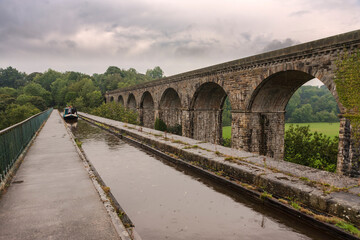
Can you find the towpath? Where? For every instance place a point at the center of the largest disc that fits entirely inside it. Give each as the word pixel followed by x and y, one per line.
pixel 52 196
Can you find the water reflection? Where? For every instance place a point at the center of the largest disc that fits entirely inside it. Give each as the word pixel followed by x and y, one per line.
pixel 166 201
pixel 72 125
pixel 91 133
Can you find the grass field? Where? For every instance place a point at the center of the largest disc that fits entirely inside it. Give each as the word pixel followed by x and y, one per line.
pixel 329 129
pixel 227 132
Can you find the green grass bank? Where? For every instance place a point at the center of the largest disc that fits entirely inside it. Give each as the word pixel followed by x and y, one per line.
pixel 329 129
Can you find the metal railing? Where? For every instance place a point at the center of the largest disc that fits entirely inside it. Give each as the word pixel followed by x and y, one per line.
pixel 14 139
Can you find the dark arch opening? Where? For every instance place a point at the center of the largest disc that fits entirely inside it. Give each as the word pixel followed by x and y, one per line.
pixel 147 110
pixel 267 111
pixel 121 100
pixel 111 99
pixel 131 102
pixel 170 110
pixel 207 105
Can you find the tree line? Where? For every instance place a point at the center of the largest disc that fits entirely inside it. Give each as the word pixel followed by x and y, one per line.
pixel 23 95
pixel 312 104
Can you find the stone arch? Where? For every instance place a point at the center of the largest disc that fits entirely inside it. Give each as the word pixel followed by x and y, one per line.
pixel 120 100
pixel 275 91
pixel 131 102
pixel 206 106
pixel 111 99
pixel 170 108
pixel 265 112
pixel 147 111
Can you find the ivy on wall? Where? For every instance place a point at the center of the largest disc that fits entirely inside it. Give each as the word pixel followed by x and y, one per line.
pixel 347 79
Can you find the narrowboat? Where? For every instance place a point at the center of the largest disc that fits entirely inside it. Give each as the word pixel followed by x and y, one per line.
pixel 70 114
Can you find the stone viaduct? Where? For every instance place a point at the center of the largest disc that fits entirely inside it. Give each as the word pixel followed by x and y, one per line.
pixel 258 87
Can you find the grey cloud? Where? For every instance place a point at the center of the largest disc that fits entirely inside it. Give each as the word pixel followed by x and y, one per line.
pixel 246 36
pixel 299 13
pixel 23 21
pixel 186 51
pixel 70 44
pixel 326 5
pixel 278 44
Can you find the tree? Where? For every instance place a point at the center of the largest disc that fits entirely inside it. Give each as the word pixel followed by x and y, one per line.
pixel 303 114
pixel 5 100
pixel 17 113
pixel 10 77
pixel 115 111
pixel 310 149
pixel 160 125
pixel 47 78
pixel 36 101
pixel 322 102
pixel 112 70
pixel 59 91
pixel 31 76
pixel 155 73
pixel 95 98
pixel 35 89
pixel 111 81
pixel 8 91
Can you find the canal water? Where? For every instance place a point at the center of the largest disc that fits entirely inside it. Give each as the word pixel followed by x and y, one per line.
pixel 165 201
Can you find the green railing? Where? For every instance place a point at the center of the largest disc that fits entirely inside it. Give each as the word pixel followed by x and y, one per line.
pixel 14 139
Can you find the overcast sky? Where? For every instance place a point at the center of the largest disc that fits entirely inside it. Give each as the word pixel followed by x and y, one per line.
pixel 178 36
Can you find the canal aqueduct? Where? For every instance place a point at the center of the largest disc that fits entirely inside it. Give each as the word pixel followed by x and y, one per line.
pixel 258 87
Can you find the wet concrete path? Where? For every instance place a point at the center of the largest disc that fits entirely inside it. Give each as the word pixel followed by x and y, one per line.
pixel 166 201
pixel 52 196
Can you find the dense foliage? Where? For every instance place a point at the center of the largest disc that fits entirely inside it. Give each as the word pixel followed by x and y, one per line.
pixel 26 95
pixel 16 113
pixel 312 104
pixel 115 77
pixel 115 111
pixel 311 149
